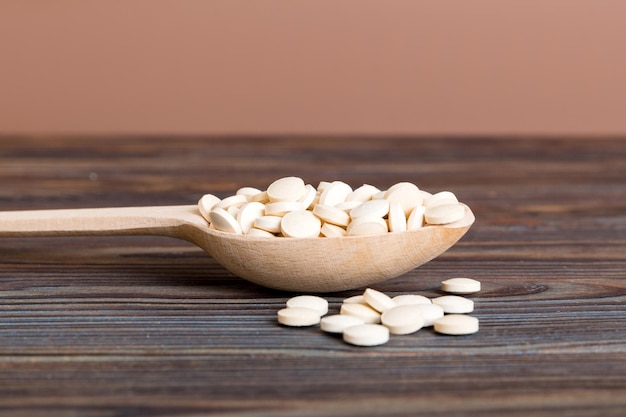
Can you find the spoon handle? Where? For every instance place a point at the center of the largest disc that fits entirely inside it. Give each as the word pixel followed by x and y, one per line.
pixel 163 221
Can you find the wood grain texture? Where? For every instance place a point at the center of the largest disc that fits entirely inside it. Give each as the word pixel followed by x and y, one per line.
pixel 134 326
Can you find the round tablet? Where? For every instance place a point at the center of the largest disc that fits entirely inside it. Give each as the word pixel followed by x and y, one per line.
pixel 348 205
pixel 454 304
pixel 300 223
pixel 309 301
pixel 334 193
pixel 397 219
pixel 206 204
pixel 460 285
pixel 260 233
pixel 410 299
pixel 440 198
pixel 356 299
pixel 232 201
pixel 331 230
pixel 444 214
pixel 362 311
pixel 260 197
pixel 363 193
pixel 404 319
pixel 366 335
pixel 416 218
pixel 406 194
pixel 248 213
pixel 456 324
pixel 308 197
pixel 367 226
pixel 286 189
pixel 298 316
pixel 430 313
pixel 249 192
pixel 331 214
pixel 280 208
pixel 371 208
pixel 224 221
pixel 377 300
pixel 337 323
pixel 268 223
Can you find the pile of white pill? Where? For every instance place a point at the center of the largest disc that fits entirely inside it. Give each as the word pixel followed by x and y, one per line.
pixel 291 208
pixel 369 319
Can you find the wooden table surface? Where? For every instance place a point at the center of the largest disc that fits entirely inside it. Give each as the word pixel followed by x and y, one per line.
pixel 151 326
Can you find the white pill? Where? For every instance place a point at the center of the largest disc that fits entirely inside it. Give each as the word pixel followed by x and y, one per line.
pixel 337 323
pixel 331 230
pixel 397 219
pixel 456 324
pixel 416 218
pixel 260 198
pixel 286 189
pixel 322 186
pixel 406 194
pixel 233 211
pixel 404 319
pixel 248 213
pixel 224 221
pixel 440 198
pixel 366 335
pixel 362 311
pixel 410 299
pixel 336 192
pixel 206 204
pixel 460 285
pixel 367 226
pixel 348 205
pixel 444 214
pixel 268 223
pixel 356 299
pixel 309 196
pixel 430 313
pixel 260 233
pixel 454 304
pixel 249 192
pixel 309 301
pixel 331 214
pixel 377 300
pixel 280 208
pixel 298 316
pixel 300 223
pixel 379 195
pixel 232 201
pixel 363 193
pixel 371 208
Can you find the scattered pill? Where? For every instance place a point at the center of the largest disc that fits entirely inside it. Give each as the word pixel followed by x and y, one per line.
pixel 313 302
pixel 337 323
pixel 456 324
pixel 404 319
pixel 379 301
pixel 410 299
pixel 454 304
pixel 362 311
pixel 430 313
pixel 460 285
pixel 366 335
pixel 298 316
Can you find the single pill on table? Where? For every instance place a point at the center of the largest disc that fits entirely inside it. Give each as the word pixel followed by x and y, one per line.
pixel 405 319
pixel 444 214
pixel 300 223
pixel 456 324
pixel 366 335
pixel 460 285
pixel 454 304
pixel 309 301
pixel 337 323
pixel 286 189
pixel 362 311
pixel 430 313
pixel 298 317
pixel 410 299
pixel 377 300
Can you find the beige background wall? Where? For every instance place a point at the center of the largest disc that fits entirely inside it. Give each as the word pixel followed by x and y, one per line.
pixel 352 66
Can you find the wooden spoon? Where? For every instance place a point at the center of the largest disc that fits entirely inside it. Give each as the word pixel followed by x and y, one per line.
pixel 291 264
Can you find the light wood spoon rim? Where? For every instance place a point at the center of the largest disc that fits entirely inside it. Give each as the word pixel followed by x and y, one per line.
pixel 291 264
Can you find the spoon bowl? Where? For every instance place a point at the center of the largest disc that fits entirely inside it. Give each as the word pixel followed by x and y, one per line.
pixel 291 264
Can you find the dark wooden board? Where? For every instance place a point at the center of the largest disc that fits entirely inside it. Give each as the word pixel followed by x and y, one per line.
pixel 134 326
